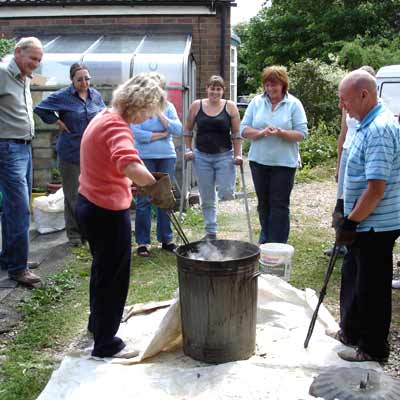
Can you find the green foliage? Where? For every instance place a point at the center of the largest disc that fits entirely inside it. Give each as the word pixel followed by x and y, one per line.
pixel 6 46
pixel 193 217
pixel 288 31
pixel 320 145
pixel 363 51
pixel 55 175
pixel 246 146
pixel 55 288
pixel 315 83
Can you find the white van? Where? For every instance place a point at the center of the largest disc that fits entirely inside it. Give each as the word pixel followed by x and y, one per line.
pixel 388 79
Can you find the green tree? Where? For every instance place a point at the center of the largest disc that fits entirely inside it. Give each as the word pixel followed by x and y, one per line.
pixel 292 30
pixel 6 46
pixel 315 83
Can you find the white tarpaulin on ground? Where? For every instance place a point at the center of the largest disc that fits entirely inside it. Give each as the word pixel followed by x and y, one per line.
pixel 281 368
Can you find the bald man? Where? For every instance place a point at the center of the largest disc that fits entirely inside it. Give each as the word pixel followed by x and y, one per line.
pixel 16 133
pixel 371 223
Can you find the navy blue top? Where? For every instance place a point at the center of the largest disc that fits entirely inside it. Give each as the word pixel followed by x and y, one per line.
pixel 76 113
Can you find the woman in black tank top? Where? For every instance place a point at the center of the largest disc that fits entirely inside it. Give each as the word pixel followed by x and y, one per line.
pixel 218 148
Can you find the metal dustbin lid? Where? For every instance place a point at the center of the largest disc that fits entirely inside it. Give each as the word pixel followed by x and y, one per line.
pixel 355 384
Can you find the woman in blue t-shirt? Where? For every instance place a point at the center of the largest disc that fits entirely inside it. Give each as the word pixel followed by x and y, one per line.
pixel 71 108
pixel 154 142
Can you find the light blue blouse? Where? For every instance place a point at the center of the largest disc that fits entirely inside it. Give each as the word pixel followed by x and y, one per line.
pixel 163 148
pixel 288 114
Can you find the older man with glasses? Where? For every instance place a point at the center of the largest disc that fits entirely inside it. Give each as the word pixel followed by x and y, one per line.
pixel 16 134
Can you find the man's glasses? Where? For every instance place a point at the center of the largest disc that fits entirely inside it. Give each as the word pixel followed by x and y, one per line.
pixel 86 78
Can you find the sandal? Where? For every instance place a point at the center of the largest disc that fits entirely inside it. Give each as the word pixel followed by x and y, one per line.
pixel 142 251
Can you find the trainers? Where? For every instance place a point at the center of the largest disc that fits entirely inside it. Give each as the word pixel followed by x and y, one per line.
pixel 339 336
pixel 396 283
pixel 25 277
pixel 171 247
pixel 209 236
pixel 127 353
pixel 356 355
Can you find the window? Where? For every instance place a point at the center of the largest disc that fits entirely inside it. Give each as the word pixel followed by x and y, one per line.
pixel 233 74
pixel 390 93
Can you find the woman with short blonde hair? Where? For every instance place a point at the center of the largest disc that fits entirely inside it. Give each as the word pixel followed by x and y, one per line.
pixel 109 164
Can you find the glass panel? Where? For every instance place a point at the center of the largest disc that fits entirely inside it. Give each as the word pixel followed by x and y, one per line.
pixel 54 69
pixel 108 69
pixel 233 93
pixel 117 44
pixel 170 65
pixel 233 56
pixel 164 44
pixel 45 39
pixel 390 95
pixel 72 44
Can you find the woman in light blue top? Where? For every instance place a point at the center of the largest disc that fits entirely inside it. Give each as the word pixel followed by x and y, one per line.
pixel 154 142
pixel 275 122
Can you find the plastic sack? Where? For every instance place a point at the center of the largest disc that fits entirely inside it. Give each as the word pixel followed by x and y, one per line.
pixel 48 212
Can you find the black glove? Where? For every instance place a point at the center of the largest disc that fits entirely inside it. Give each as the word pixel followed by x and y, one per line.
pixel 346 232
pixel 338 213
pixel 160 192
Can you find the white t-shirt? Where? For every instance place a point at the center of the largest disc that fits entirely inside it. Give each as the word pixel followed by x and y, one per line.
pixel 352 125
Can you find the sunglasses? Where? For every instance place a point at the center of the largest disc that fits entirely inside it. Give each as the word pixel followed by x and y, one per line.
pixel 86 78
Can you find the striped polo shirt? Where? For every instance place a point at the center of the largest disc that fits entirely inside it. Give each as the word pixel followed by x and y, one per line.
pixel 375 154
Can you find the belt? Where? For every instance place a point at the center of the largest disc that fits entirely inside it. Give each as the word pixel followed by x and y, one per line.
pixel 19 141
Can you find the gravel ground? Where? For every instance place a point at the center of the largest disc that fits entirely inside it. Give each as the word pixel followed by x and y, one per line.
pixel 316 200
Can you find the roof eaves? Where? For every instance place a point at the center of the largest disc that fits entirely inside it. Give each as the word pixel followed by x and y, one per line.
pixel 65 3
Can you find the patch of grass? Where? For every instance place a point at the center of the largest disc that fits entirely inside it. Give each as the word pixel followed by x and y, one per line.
pixel 51 316
pixel 309 264
pixel 320 173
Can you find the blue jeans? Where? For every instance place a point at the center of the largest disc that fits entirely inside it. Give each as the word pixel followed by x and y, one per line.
pixel 143 207
pixel 273 185
pixel 16 186
pixel 215 173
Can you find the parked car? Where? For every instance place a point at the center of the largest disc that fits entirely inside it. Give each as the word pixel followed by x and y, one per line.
pixel 242 102
pixel 388 79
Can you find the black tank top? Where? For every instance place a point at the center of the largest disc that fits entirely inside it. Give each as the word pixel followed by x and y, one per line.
pixel 213 133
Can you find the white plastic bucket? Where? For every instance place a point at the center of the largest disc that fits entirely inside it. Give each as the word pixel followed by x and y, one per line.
pixel 276 259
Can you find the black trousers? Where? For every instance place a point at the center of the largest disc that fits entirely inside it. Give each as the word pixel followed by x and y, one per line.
pixel 366 292
pixel 273 186
pixel 109 235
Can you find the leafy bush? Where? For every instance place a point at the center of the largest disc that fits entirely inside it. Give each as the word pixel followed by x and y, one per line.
pixel 6 46
pixel 320 146
pixel 376 54
pixel 315 83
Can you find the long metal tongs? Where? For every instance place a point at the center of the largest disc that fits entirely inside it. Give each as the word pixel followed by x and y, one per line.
pixel 322 293
pixel 177 226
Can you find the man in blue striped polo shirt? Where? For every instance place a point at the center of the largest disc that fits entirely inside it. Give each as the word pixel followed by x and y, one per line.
pixel 372 221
